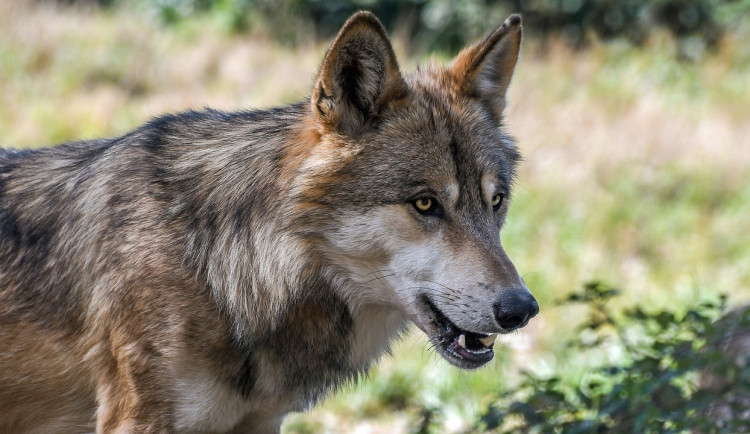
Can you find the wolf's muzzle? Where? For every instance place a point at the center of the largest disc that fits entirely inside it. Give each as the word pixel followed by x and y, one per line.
pixel 515 308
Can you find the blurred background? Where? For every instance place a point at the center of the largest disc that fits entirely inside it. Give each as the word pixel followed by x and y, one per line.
pixel 631 216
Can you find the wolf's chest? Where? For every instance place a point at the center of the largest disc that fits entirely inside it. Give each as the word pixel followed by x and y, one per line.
pixel 204 403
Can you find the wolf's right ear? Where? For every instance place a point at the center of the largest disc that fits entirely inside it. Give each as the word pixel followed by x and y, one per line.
pixel 484 70
pixel 358 77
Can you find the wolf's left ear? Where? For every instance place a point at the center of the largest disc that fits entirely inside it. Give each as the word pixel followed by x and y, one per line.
pixel 358 77
pixel 484 69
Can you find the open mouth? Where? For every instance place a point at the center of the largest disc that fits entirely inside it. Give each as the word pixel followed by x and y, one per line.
pixel 463 348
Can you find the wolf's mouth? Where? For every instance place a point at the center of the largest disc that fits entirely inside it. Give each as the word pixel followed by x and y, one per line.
pixel 463 348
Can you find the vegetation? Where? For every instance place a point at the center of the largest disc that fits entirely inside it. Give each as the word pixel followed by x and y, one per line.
pixel 636 171
pixel 449 25
pixel 658 384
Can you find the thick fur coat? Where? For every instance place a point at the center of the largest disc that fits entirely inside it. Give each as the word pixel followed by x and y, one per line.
pixel 211 271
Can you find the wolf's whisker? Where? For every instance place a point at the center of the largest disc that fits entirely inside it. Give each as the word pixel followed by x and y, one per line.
pixel 378 278
pixel 437 283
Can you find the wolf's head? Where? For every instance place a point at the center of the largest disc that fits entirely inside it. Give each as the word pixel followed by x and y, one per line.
pixel 410 178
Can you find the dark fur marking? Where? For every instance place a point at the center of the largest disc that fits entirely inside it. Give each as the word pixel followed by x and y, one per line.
pixel 25 243
pixel 27 246
pixel 240 221
pixel 349 78
pixel 320 361
pixel 456 157
pixel 245 377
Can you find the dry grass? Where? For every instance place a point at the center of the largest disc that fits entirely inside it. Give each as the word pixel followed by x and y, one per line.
pixel 636 171
pixel 79 73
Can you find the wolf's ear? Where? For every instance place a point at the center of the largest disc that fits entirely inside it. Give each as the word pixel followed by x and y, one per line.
pixel 484 69
pixel 358 77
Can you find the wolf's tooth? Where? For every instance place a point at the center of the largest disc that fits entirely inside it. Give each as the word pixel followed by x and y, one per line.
pixel 462 341
pixel 488 340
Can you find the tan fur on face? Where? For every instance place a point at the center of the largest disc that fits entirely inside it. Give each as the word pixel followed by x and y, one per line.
pixel 390 260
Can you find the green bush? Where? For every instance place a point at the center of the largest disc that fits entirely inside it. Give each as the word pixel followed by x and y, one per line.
pixel 449 25
pixel 679 372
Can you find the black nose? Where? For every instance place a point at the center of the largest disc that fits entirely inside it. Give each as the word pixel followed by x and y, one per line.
pixel 515 308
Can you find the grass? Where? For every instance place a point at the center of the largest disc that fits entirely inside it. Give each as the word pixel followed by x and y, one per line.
pixel 636 171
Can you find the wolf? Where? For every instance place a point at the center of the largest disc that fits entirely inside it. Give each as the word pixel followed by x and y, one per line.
pixel 214 271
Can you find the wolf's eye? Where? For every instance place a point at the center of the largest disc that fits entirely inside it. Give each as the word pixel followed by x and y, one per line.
pixel 427 206
pixel 497 201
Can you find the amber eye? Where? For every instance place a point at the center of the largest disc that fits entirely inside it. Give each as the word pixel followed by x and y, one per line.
pixel 497 200
pixel 428 206
pixel 424 204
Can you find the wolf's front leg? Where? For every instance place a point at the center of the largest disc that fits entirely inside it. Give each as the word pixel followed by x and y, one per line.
pixel 131 394
pixel 261 422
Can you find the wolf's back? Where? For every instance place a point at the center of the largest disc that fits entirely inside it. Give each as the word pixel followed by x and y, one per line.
pixel 73 213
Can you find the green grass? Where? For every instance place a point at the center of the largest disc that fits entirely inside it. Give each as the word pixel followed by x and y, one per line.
pixel 636 172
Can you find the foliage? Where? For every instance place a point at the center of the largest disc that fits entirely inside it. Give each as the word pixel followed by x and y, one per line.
pixel 659 385
pixel 449 25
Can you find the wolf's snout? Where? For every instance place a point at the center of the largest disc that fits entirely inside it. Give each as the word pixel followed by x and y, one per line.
pixel 514 309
